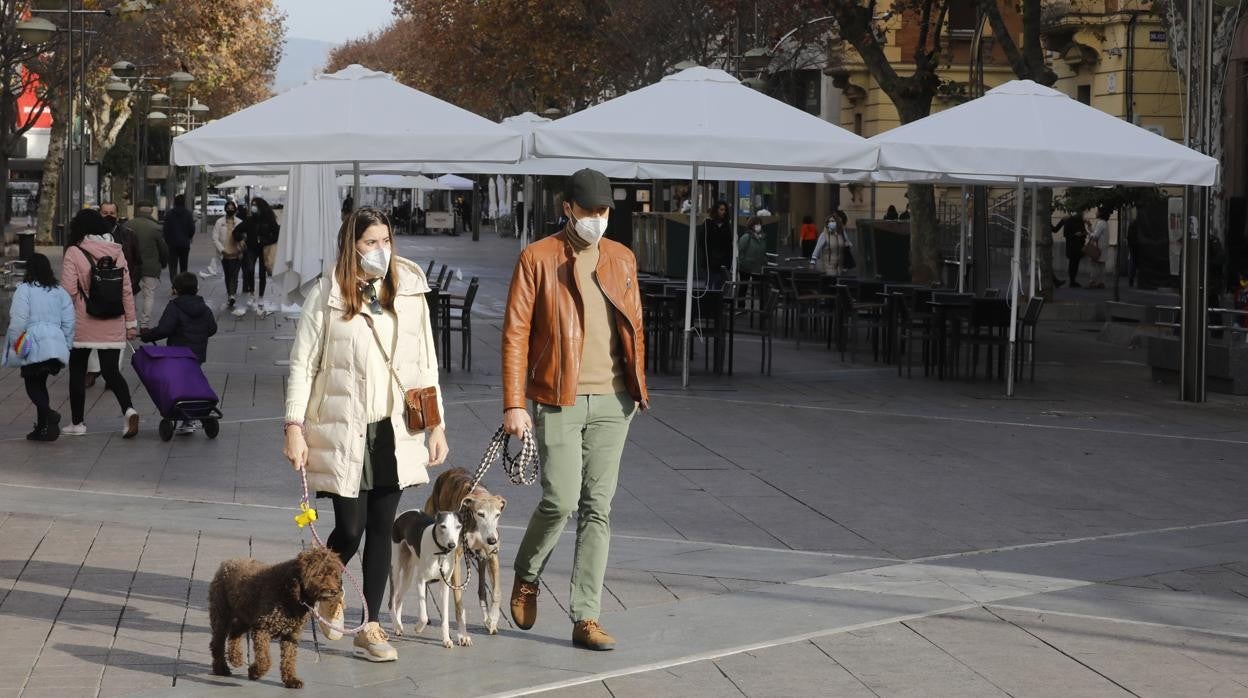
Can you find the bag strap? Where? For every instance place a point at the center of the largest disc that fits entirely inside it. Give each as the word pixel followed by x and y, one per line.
pixel 395 374
pixel 91 264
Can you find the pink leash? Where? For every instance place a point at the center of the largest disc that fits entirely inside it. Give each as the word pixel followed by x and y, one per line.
pixel 305 518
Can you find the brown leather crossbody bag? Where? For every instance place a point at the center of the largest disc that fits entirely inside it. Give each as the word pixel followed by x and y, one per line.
pixel 420 405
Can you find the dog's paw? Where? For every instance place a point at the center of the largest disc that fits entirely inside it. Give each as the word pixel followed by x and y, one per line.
pixel 253 673
pixel 491 627
pixel 446 642
pixel 463 640
pixel 220 670
pixel 398 630
pixel 420 627
pixel 293 683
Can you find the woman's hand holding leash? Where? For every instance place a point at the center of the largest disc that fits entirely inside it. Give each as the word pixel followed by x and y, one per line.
pixel 516 421
pixel 296 450
pixel 438 448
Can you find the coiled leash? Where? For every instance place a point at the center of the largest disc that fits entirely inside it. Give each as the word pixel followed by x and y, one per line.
pixel 522 469
pixel 305 517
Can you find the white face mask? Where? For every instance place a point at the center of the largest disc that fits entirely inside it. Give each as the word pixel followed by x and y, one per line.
pixel 832 225
pixel 375 262
pixel 590 229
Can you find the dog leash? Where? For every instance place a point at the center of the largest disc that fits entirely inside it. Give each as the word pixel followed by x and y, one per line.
pixel 305 517
pixel 521 468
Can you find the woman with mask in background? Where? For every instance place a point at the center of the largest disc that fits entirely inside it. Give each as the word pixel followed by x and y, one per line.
pixel 259 230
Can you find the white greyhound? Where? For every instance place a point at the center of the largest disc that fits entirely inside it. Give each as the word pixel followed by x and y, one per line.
pixel 424 552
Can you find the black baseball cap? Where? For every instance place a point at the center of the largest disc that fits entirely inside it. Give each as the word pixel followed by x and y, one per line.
pixel 590 189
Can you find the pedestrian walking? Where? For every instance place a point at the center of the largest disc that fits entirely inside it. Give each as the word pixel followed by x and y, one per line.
pixel 719 238
pixel 41 331
pixel 258 231
pixel 1098 240
pixel 752 247
pixel 829 253
pixel 345 422
pixel 573 344
pixel 153 257
pixel 891 214
pixel 229 249
pixel 179 232
pixel 123 235
pixel 186 322
pixel 807 235
pixel 1074 229
pixel 95 274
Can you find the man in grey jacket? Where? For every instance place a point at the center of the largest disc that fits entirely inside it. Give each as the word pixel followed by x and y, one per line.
pixel 153 255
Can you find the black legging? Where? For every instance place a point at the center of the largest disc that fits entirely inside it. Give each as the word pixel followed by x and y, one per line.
pixel 1072 269
pixel 37 391
pixel 179 261
pixel 253 262
pixel 109 369
pixel 231 268
pixel 369 516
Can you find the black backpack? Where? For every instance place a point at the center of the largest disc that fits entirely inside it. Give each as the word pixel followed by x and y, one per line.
pixel 104 298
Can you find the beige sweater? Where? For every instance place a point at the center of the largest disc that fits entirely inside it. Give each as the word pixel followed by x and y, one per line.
pixel 602 369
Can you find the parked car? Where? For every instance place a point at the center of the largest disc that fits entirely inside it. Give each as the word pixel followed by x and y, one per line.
pixel 216 207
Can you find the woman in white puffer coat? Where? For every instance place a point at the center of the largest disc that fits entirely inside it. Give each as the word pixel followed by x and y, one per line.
pixel 345 411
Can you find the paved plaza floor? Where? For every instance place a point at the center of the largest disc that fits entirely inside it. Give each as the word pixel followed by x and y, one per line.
pixel 832 529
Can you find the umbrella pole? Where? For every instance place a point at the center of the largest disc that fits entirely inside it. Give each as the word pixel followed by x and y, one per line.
pixel 693 244
pixel 1035 229
pixel 1015 285
pixel 355 185
pixel 732 206
pixel 962 230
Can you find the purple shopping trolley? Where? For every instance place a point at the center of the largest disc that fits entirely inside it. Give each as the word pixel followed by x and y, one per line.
pixel 178 387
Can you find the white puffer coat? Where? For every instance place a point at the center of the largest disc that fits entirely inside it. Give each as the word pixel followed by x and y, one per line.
pixel 327 381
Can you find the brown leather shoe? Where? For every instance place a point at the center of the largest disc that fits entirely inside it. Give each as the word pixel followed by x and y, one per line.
pixel 587 634
pixel 524 603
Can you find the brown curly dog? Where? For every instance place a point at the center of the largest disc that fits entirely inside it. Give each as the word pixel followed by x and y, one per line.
pixel 268 601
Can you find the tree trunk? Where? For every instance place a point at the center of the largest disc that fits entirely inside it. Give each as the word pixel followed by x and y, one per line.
pixel 49 186
pixel 924 256
pixel 924 224
pixel 1044 241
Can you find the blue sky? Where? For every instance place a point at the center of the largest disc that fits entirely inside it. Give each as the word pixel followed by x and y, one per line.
pixel 334 20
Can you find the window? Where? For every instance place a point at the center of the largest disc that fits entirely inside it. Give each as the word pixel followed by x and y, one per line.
pixel 962 17
pixel 858 123
pixel 1084 94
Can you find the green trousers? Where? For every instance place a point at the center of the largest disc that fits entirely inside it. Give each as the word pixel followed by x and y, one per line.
pixel 580 447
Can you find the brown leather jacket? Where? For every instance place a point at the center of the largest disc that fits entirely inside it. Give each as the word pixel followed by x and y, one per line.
pixel 543 330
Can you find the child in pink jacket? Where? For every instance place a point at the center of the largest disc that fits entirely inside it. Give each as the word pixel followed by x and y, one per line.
pixel 108 334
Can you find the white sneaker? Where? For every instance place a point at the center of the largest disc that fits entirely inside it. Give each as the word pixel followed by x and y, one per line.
pixel 332 611
pixel 188 427
pixel 131 425
pixel 373 644
pixel 75 430
pixel 238 311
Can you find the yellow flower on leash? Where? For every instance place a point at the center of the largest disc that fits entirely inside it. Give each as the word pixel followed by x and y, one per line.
pixel 306 515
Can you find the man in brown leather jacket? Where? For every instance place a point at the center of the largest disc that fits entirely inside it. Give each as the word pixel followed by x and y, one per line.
pixel 573 344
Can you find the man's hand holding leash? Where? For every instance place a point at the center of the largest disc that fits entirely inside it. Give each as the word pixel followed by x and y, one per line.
pixel 516 421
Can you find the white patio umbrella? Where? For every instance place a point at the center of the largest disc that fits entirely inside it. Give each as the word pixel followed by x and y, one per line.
pixel 389 181
pixel 703 117
pixel 454 183
pixel 1023 133
pixel 345 118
